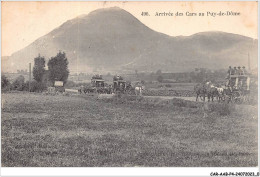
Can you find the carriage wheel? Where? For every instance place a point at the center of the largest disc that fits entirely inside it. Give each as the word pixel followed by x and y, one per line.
pixel 247 98
pixel 227 98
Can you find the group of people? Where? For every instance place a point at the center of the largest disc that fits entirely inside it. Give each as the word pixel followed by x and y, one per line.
pixel 238 82
pixel 97 76
pixel 237 70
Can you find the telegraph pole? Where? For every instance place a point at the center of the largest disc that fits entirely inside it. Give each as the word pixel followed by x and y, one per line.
pixel 30 77
pixel 249 68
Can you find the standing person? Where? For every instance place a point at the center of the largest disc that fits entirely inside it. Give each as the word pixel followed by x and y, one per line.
pixel 244 70
pixel 230 71
pixel 235 70
pixel 239 71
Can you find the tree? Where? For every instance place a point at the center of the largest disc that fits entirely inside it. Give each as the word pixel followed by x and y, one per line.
pixel 18 83
pixel 38 69
pixel 58 68
pixel 4 81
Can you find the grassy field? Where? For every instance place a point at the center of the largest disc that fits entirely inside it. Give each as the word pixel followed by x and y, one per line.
pixel 58 131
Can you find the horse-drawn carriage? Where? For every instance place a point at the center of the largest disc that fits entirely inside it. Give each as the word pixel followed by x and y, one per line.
pixel 120 86
pixel 98 85
pixel 236 89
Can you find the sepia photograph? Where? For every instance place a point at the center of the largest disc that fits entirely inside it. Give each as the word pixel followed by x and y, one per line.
pixel 129 84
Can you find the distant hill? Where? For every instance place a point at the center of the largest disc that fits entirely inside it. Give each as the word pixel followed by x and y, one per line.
pixel 113 40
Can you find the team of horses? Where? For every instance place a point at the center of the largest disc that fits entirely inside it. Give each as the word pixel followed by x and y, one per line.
pixel 129 89
pixel 101 90
pixel 209 90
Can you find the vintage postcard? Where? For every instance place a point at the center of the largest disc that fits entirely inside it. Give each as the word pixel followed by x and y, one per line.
pixel 129 84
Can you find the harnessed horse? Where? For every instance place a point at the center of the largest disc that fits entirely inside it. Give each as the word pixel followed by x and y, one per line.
pixel 138 90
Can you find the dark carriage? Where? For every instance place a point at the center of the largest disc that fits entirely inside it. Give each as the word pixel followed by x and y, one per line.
pixel 98 85
pixel 122 86
pixel 119 86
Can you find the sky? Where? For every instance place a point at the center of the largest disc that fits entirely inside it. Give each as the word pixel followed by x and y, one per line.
pixel 24 22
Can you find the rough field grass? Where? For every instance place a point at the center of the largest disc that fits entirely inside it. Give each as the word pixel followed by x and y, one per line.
pixel 76 131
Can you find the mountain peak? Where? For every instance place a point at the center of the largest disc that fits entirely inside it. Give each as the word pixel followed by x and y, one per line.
pixel 111 39
pixel 102 10
pixel 109 9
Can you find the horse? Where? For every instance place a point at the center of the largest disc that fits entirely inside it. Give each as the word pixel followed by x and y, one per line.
pixel 81 89
pixel 108 89
pixel 51 89
pixel 138 90
pixel 206 90
pixel 119 88
pixel 220 93
pixel 200 91
pixel 88 90
pixel 130 89
pixel 211 92
pixel 100 90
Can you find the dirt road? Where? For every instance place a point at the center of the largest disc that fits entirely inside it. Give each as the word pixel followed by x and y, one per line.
pixel 161 97
pixel 171 97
